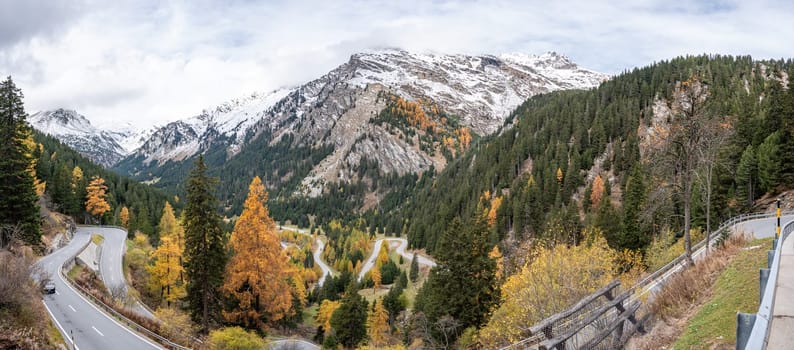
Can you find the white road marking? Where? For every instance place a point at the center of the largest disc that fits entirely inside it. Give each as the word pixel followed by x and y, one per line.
pixel 70 306
pixel 63 331
pixel 56 293
pixel 100 333
pixel 61 277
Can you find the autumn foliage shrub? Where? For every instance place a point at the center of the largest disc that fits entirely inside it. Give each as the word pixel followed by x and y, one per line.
pixel 235 338
pixel 553 280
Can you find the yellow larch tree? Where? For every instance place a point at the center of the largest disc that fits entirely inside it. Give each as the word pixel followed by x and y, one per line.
pixel 495 204
pixel 77 176
pixel 257 274
pixel 167 272
pixel 496 255
pixel 96 203
pixel 464 138
pixel 124 216
pixel 324 313
pixel 598 191
pixel 559 175
pixel 556 278
pixel 299 287
pixel 34 150
pixel 383 255
pixel 378 325
pixel 376 278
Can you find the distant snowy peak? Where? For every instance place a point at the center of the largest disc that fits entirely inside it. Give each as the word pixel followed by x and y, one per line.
pixel 62 122
pixel 131 138
pixel 76 131
pixel 229 121
pixel 483 90
pixel 335 108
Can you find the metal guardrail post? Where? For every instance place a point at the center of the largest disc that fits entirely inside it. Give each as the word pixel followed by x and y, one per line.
pixel 759 334
pixel 744 325
pixel 763 278
pixel 770 258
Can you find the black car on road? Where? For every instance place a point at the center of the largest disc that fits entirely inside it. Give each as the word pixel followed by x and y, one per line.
pixel 48 287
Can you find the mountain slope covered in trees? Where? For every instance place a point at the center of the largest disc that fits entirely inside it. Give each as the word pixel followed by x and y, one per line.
pixel 535 177
pixel 67 173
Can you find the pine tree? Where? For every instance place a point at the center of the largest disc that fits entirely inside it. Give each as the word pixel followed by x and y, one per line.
pixel 378 325
pixel 769 164
pixel 96 193
pixel 634 236
pixel 463 267
pixel 349 321
pixel 205 247
pixel 392 302
pixel 18 199
pixel 746 175
pixel 257 274
pixel 414 274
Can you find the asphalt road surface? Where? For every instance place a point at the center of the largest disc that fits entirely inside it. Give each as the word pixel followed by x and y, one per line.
pixel 110 264
pixel 400 250
pixel 318 253
pixel 76 317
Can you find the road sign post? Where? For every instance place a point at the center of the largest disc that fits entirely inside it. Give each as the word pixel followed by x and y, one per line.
pixel 777 228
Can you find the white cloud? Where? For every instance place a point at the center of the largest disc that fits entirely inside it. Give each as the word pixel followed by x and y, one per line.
pixel 152 61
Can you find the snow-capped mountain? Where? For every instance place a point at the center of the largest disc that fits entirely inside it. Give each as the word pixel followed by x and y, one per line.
pixel 337 110
pixel 227 123
pixel 101 146
pixel 130 138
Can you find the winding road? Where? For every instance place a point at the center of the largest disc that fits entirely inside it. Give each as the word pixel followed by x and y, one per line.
pixel 318 253
pixel 401 249
pixel 110 264
pixel 76 317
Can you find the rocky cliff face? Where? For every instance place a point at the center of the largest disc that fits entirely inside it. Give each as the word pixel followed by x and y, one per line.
pixel 338 109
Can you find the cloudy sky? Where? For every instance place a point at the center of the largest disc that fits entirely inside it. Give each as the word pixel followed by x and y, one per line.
pixel 151 61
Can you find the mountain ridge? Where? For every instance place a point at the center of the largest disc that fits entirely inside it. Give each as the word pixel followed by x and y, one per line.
pixel 337 110
pixel 75 130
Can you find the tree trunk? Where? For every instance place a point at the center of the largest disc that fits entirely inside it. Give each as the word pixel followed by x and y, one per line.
pixel 205 311
pixel 687 220
pixel 708 208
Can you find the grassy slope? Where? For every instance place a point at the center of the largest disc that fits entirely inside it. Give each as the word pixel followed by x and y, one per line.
pixel 736 290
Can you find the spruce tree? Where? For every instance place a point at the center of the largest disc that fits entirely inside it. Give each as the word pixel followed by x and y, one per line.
pixel 18 199
pixel 414 269
pixel 465 268
pixel 634 236
pixel 350 319
pixel 746 175
pixel 205 247
pixel 768 155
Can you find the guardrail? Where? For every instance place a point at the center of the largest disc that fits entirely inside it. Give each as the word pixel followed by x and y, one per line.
pixel 646 285
pixel 129 323
pixel 758 323
pixel 698 248
pixel 110 310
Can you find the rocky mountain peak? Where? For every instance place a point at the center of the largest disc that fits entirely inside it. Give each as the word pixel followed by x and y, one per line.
pixel 466 94
pixel 75 130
